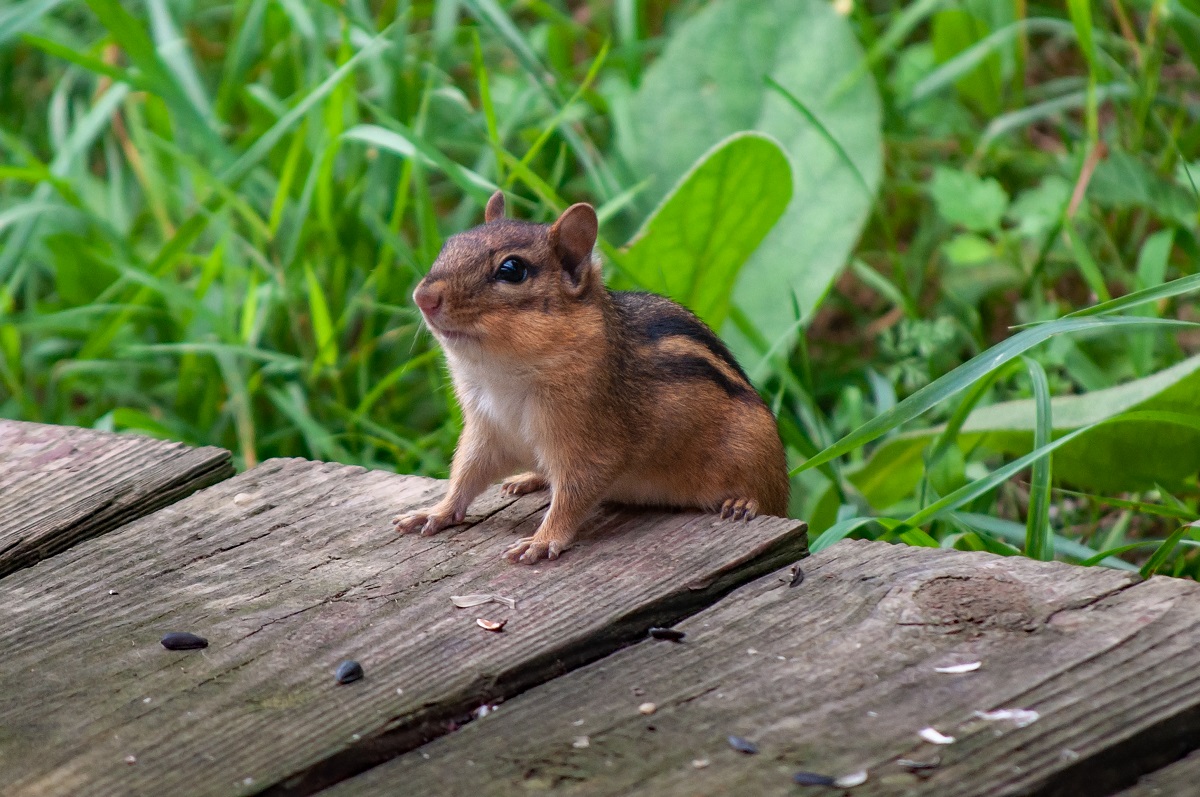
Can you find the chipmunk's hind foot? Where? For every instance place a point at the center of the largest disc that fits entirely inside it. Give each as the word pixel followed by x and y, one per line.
pixel 739 509
pixel 531 550
pixel 523 484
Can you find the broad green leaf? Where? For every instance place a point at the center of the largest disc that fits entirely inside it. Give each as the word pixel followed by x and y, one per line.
pixel 1122 181
pixel 699 238
pixel 968 200
pixel 709 83
pixel 1152 448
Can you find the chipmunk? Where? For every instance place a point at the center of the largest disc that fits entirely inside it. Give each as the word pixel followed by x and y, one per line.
pixel 599 395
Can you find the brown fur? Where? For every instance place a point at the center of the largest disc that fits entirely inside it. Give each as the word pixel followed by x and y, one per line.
pixel 598 395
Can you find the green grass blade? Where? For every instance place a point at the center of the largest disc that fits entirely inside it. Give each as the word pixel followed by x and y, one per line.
pixel 969 492
pixel 1088 267
pixel 405 142
pixel 967 374
pixel 1081 17
pixel 175 53
pixel 90 63
pixel 1160 555
pixel 82 136
pixel 322 324
pixel 945 75
pixel 820 127
pixel 1039 544
pixel 1014 533
pixel 557 120
pixel 20 17
pixel 1048 109
pixel 249 159
pixel 1141 507
pixel 1167 290
pixel 839 531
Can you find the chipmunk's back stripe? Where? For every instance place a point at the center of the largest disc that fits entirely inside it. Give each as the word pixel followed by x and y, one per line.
pixel 690 327
pixel 681 346
pixel 692 366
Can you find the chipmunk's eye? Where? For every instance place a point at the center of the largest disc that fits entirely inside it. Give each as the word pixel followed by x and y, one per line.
pixel 512 270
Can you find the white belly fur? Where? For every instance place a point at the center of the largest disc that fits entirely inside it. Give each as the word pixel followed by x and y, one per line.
pixel 503 401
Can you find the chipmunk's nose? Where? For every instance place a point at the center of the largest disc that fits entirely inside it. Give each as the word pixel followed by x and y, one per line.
pixel 428 298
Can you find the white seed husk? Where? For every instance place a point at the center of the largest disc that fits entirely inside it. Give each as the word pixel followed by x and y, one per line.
pixel 480 598
pixel 955 669
pixel 467 601
pixel 1019 716
pixel 851 780
pixel 934 736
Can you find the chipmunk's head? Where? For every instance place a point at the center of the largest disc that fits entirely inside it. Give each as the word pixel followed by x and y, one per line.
pixel 511 286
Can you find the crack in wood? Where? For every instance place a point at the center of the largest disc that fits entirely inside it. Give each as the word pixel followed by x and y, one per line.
pixel 415 729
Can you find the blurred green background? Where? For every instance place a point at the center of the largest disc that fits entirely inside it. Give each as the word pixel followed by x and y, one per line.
pixel 213 213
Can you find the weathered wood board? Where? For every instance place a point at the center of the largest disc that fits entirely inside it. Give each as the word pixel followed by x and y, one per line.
pixel 838 675
pixel 60 485
pixel 289 569
pixel 1177 780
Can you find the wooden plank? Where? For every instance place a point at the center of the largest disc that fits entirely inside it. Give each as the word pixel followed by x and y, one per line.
pixel 289 569
pixel 1180 778
pixel 60 485
pixel 838 675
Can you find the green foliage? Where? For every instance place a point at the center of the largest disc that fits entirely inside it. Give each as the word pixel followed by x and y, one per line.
pixel 714 78
pixel 213 214
pixel 968 201
pixel 698 239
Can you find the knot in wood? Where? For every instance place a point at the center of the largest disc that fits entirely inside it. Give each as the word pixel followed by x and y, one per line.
pixel 979 601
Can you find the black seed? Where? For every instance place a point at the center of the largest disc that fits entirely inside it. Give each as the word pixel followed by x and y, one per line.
pixel 184 641
pixel 812 779
pixel 669 634
pixel 743 745
pixel 348 672
pixel 797 577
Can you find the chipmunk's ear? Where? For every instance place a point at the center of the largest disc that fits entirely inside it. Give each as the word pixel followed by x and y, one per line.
pixel 495 207
pixel 573 237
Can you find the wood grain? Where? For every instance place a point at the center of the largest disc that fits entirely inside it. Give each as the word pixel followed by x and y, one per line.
pixel 838 675
pixel 288 570
pixel 60 485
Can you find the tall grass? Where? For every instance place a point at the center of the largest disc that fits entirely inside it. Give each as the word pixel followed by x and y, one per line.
pixel 212 215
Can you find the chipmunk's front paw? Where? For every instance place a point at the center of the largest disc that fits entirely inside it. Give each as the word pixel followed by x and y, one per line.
pixel 739 509
pixel 525 483
pixel 530 550
pixel 426 522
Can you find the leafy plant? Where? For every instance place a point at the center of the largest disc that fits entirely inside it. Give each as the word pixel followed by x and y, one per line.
pixel 212 216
